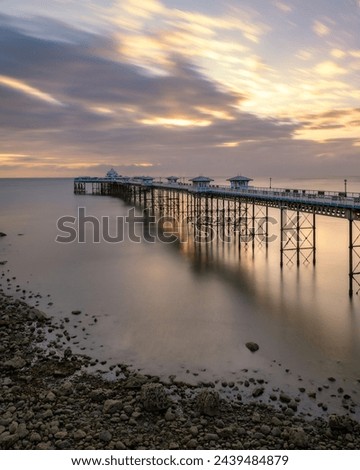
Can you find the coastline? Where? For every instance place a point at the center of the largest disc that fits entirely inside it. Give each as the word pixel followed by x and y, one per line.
pixel 49 401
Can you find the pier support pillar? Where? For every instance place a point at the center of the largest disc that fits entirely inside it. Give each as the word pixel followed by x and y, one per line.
pixel 354 255
pixel 297 237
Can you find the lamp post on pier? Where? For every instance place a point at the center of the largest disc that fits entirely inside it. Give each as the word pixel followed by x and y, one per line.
pixel 345 187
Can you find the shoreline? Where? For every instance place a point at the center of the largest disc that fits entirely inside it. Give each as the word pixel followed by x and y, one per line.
pixel 49 401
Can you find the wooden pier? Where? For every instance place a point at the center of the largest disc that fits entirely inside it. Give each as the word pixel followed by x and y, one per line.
pixel 240 210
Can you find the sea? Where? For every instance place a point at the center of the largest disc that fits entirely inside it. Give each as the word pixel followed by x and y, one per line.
pixel 185 311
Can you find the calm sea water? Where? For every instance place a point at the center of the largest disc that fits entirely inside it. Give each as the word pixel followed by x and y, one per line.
pixel 178 309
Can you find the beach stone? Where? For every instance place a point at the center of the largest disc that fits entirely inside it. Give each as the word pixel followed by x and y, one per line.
pixel 208 402
pixel 154 397
pixel 341 424
pixel 79 434
pixel 2 234
pixel 112 406
pixel 13 427
pixel 16 362
pixel 35 437
pixel 192 444
pixel 119 445
pixel 253 347
pixel 257 392
pixel 170 416
pixel 265 429
pixel 105 436
pixel 51 396
pixel 284 398
pixel 76 312
pixel 298 438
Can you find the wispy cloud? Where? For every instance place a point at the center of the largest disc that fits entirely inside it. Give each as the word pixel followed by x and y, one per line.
pixel 321 29
pixel 31 91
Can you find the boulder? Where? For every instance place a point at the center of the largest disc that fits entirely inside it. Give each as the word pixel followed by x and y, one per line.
pixel 208 402
pixel 154 397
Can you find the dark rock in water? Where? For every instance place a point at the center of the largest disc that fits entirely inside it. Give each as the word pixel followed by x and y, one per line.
pixel 2 234
pixel 252 346
pixel 76 312
pixel 2 263
pixel 284 398
pixel 258 391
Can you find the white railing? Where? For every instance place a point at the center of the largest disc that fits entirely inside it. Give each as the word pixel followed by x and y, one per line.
pixel 308 196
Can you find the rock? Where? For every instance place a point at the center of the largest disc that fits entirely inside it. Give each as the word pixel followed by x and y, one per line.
pixel 341 424
pixel 13 427
pixel 76 312
pixel 79 434
pixel 98 395
pixel 112 406
pixel 22 430
pixel 154 397
pixel 16 362
pixel 253 347
pixel 194 431
pixel 37 315
pixel 284 398
pixel 298 438
pixel 2 234
pixel 276 421
pixel 192 444
pixel 208 402
pixel 51 396
pixel 136 381
pixel 170 416
pixel 265 429
pixel 105 436
pixel 35 437
pixel 258 391
pixel 119 445
pixel 7 440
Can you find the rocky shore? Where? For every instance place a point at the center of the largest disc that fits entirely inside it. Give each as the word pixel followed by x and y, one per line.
pixel 49 401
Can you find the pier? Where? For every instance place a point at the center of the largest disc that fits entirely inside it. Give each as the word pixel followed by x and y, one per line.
pixel 239 210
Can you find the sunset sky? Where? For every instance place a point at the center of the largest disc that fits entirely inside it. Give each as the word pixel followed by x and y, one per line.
pixel 258 87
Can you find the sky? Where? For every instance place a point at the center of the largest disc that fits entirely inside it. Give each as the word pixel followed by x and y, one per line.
pixel 158 87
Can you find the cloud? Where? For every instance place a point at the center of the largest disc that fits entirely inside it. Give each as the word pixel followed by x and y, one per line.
pixel 181 120
pixel 329 69
pixel 285 7
pixel 28 90
pixel 321 29
pixel 112 107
